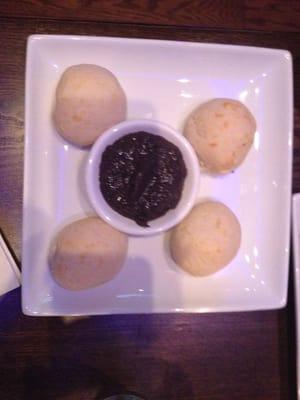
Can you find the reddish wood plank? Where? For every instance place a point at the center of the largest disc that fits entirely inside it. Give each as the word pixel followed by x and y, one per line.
pixel 266 15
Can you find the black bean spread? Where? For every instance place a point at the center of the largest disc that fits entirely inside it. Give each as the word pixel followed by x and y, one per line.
pixel 141 176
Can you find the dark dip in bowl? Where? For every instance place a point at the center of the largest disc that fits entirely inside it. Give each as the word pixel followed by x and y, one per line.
pixel 141 176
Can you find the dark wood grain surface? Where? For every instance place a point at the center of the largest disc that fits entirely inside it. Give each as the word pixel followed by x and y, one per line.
pixel 216 356
pixel 275 15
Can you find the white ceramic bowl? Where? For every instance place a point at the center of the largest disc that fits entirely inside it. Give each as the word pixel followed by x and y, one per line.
pixel 190 189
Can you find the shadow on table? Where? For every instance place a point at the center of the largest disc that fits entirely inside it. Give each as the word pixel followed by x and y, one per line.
pixel 10 309
pixel 96 358
pixel 89 359
pixel 82 381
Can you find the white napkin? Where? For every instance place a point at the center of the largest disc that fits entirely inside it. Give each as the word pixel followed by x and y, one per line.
pixel 10 276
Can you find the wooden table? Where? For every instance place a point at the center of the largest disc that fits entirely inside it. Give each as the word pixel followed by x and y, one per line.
pixel 218 356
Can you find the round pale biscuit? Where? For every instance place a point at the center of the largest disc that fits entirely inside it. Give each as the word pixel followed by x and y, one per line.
pixel 221 132
pixel 206 240
pixel 89 100
pixel 87 253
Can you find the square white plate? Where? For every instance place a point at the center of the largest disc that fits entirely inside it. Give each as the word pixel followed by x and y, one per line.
pixel 163 80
